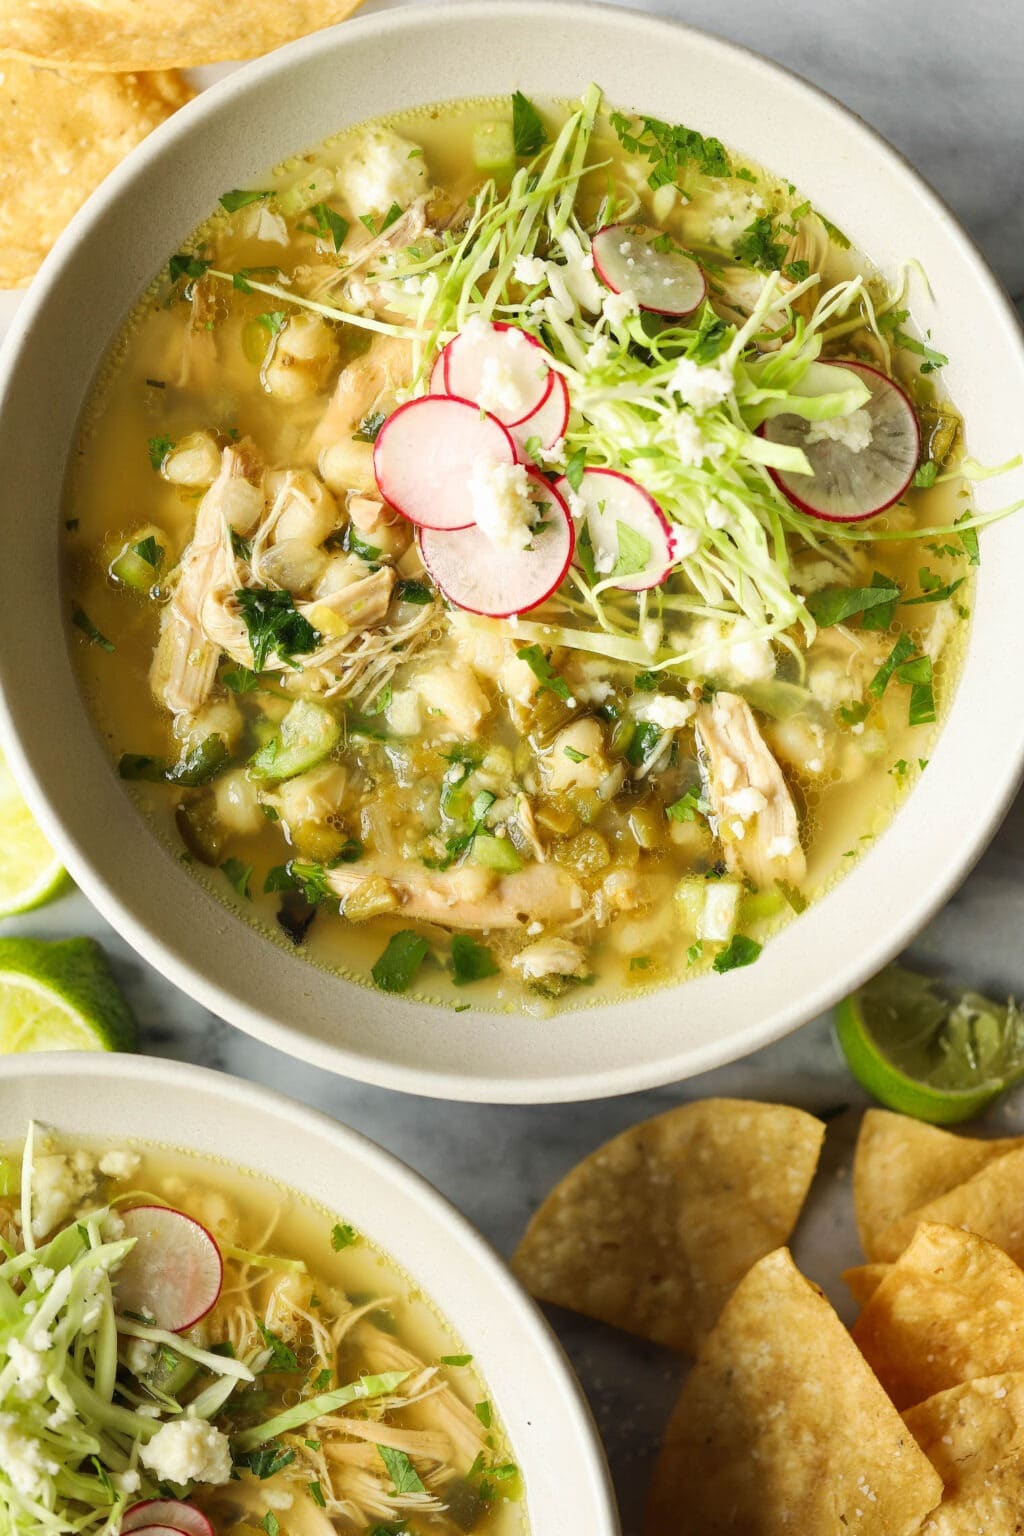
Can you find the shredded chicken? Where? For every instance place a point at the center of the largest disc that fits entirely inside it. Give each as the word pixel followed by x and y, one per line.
pixel 752 809
pixel 367 384
pixel 470 897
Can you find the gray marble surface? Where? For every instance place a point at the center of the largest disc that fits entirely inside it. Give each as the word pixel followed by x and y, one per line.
pixel 942 84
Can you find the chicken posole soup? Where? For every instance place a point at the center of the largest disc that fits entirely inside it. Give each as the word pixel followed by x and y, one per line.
pixel 520 554
pixel 187 1347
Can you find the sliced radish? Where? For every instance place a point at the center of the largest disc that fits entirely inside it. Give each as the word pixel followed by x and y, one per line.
pixel 159 1530
pixel 425 454
pixel 549 421
pixel 474 574
pixel 166 1514
pixel 850 484
pixel 665 282
pixel 500 367
pixel 173 1273
pixel 625 526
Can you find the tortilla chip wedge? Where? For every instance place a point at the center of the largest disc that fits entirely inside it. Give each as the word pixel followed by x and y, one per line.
pixel 950 1309
pixel 158 34
pixel 654 1230
pixel 974 1437
pixel 902 1164
pixel 991 1204
pixel 863 1281
pixel 782 1429
pixel 60 134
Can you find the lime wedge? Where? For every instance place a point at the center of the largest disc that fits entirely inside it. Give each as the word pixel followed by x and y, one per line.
pixel 60 996
pixel 936 1055
pixel 30 871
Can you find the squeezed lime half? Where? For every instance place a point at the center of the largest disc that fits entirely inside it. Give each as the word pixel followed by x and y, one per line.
pixel 937 1054
pixel 30 871
pixel 60 996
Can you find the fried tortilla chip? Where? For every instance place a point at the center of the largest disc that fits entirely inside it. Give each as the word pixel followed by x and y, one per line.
pixel 863 1281
pixel 990 1503
pixel 950 1309
pixel 160 34
pixel 991 1204
pixel 782 1430
pixel 901 1164
pixel 971 1427
pixel 653 1231
pixel 60 134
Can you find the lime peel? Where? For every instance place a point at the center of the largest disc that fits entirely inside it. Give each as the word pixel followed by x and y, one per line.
pixel 61 996
pixel 30 871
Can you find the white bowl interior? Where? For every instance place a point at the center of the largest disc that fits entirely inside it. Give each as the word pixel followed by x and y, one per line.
pixel 165 1103
pixel 229 136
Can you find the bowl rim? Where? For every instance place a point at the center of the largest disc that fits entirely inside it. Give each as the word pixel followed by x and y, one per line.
pixel 577 1079
pixel 356 1149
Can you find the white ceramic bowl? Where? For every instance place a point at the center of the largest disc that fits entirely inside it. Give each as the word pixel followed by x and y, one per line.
pixel 227 138
pixel 550 1430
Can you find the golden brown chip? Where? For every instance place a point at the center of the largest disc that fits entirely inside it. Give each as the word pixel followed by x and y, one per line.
pixel 991 1204
pixel 60 134
pixel 990 1503
pixel 974 1437
pixel 902 1164
pixel 161 34
pixel 863 1281
pixel 950 1309
pixel 782 1430
pixel 971 1427
pixel 653 1230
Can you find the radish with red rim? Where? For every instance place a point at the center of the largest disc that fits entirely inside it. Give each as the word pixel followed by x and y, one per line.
pixel 474 574
pixel 158 1530
pixel 630 539
pixel 549 421
pixel 643 262
pixel 174 1271
pixel 425 454
pixel 852 482
pixel 503 369
pixel 166 1514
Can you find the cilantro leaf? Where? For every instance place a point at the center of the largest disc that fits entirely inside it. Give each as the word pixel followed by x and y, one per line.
pixel 932 359
pixel 403 1475
pixel 239 680
pixel 833 605
pixel 634 551
pixel 240 198
pixel 759 246
pixel 414 592
pixel 471 961
pixel 880 617
pixel 575 467
pixel 330 225
pixel 268 1460
pixel 239 874
pixel 528 132
pixel 369 427
pixel 81 620
pixel 186 265
pixel 738 952
pixel 968 538
pixel 542 670
pixel 901 652
pixel 670 149
pixel 925 475
pixel 343 1236
pixel 159 448
pixel 274 625
pixel 688 807
pixel 281 1357
pixel 396 968
pixel 917 675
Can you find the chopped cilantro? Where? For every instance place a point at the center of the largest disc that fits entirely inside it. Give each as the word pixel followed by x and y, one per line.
pixel 321 1381
pixel 270 1523
pixel 330 225
pixel 528 132
pixel 881 616
pixel 932 359
pixel 134 765
pixel 267 1460
pixel 239 680
pixel 231 201
pixel 670 150
pixel 925 475
pixel 575 467
pixel 738 952
pixel 640 962
pixel 688 807
pixel 935 591
pixel 542 670
pixel 633 551
pixel 403 1475
pixel 471 961
pixel 483 1413
pixel 343 1236
pixel 834 233
pixel 281 1357
pixel 797 270
pixel 758 245
pixel 393 214
pixel 833 605
pixel 585 553
pixel 645 682
pixel 414 592
pixel 917 675
pixel 969 540
pixel 81 620
pixel 185 265
pixel 694 952
pixel 854 714
pixel 273 320
pixel 643 742
pixel 395 969
pixel 901 652
pixel 369 427
pixel 239 875
pixel 710 338
pixel 274 625
pixel 159 448
pixel 456 1359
